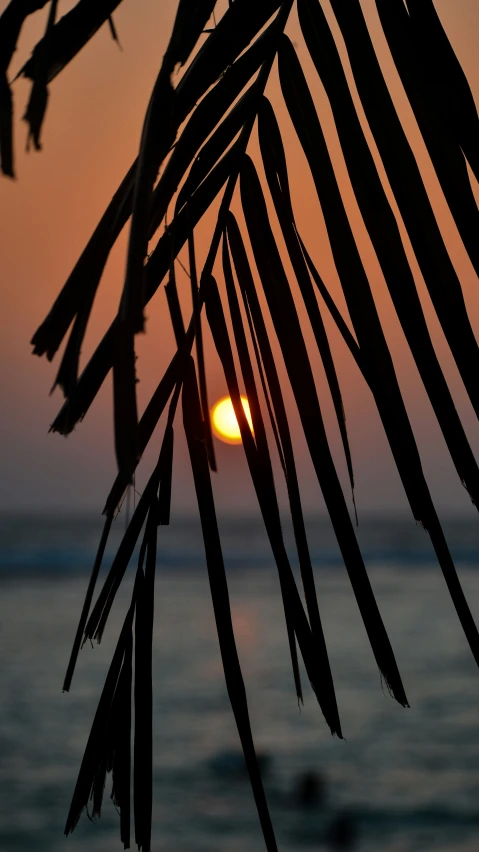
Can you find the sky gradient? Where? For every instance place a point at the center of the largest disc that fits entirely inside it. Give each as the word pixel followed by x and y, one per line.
pixel 47 214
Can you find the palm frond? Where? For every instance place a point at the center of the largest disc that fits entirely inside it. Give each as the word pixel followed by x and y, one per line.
pixel 194 155
pixel 274 163
pixel 383 230
pixel 11 22
pixel 314 653
pixel 288 330
pixel 426 67
pixel 408 187
pixel 372 343
pixel 219 593
pixel 67 37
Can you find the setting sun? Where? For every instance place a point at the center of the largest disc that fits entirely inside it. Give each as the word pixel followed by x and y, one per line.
pixel 224 422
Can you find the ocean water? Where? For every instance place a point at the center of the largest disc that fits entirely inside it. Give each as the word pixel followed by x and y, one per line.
pixel 403 780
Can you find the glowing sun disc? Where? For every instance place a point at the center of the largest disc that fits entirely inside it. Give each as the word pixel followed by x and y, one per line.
pixel 224 422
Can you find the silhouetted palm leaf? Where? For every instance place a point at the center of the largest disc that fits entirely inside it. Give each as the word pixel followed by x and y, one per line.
pixel 193 148
pixel 414 205
pixel 11 22
pixel 437 89
pixel 314 652
pixel 219 591
pixel 277 176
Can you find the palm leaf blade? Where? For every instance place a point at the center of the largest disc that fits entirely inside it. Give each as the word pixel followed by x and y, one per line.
pixel 275 163
pixel 315 655
pixel 373 347
pixel 220 596
pixel 406 182
pixel 384 233
pixel 287 328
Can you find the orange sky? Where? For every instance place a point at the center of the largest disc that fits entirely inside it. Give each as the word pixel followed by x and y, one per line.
pixel 90 137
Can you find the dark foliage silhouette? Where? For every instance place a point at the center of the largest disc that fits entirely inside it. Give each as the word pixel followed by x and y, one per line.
pixel 194 148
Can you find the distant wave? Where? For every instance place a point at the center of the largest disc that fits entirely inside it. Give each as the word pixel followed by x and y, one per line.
pixel 78 560
pixel 67 546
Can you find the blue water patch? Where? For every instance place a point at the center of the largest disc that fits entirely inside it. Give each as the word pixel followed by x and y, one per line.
pixel 402 781
pixel 67 545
